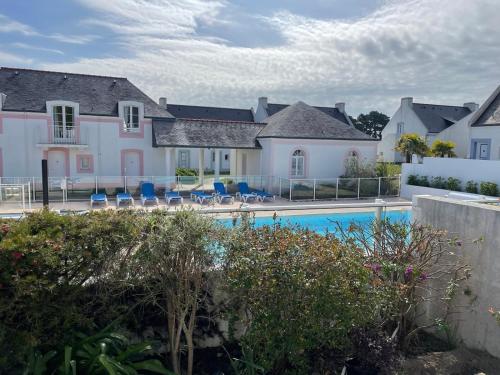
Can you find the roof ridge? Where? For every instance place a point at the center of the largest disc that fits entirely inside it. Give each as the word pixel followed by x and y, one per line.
pixel 57 72
pixel 217 120
pixel 315 106
pixel 206 106
pixel 442 105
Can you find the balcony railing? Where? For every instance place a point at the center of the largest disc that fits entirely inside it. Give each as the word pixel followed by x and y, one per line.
pixel 63 136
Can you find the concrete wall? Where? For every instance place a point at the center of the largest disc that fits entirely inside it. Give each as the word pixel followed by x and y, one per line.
pixel 463 169
pixel 470 221
pixel 491 133
pixel 323 158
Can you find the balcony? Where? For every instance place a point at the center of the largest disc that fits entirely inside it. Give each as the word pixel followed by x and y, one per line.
pixel 62 136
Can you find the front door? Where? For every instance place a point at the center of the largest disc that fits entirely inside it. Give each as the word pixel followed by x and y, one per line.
pixel 56 161
pixel 483 151
pixel 184 161
pixel 132 165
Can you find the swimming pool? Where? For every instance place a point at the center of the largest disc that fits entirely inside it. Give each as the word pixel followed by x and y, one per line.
pixel 323 223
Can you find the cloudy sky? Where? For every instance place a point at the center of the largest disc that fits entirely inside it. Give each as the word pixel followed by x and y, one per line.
pixel 368 53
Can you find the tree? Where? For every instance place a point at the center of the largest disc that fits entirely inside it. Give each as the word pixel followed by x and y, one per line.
pixel 410 144
pixel 442 149
pixel 372 123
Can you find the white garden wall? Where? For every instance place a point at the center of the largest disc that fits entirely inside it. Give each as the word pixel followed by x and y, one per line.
pixel 463 169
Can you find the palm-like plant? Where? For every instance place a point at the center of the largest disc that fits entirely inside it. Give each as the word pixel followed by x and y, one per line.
pixel 410 144
pixel 443 148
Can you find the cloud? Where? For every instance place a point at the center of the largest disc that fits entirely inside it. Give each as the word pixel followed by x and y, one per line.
pixel 445 54
pixel 10 26
pixel 7 59
pixel 36 48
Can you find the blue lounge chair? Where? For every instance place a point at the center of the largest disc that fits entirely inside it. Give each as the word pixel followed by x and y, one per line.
pixel 221 193
pixel 124 197
pixel 244 192
pixel 173 196
pixel 261 194
pixel 201 197
pixel 98 198
pixel 148 193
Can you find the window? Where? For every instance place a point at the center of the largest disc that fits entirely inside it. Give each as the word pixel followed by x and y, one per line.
pixel 297 169
pixel 64 121
pixel 401 127
pixel 184 159
pixel 85 163
pixel 131 118
pixel 226 157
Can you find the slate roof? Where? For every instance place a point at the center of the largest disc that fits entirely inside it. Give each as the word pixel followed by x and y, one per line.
pixel 303 121
pixel 206 133
pixel 210 113
pixel 436 118
pixel 28 90
pixel 273 108
pixel 489 113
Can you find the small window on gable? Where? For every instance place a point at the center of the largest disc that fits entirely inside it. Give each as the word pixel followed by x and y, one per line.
pixel 401 127
pixel 131 118
pixel 298 164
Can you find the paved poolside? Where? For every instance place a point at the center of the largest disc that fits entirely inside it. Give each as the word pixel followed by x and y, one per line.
pixel 268 208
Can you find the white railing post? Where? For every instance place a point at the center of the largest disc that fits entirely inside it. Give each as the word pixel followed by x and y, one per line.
pixel 337 190
pixel 314 189
pixel 290 192
pixel 34 189
pixel 1 189
pixel 379 183
pixel 125 184
pixel 29 195
pixel 96 185
pixel 24 203
pixel 359 184
pixel 279 188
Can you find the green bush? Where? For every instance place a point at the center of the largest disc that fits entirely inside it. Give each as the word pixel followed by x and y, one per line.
pixel 471 187
pixel 438 183
pixel 488 188
pixel 453 184
pixel 423 181
pixel 384 169
pixel 413 180
pixel 186 172
pixel 303 291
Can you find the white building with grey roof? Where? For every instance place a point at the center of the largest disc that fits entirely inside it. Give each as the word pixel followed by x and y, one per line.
pixel 87 125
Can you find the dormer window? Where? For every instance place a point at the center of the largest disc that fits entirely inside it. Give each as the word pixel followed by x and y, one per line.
pixel 64 116
pixel 131 118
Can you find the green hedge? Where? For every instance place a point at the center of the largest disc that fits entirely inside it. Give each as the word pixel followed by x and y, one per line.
pixel 454 184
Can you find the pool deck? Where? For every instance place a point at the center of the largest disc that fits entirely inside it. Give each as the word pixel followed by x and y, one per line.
pixel 281 207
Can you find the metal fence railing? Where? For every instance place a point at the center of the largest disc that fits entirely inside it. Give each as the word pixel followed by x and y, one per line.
pixel 80 188
pixel 15 195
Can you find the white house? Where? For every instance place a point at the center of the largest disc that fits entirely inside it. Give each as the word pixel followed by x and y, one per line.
pixel 427 120
pixel 88 125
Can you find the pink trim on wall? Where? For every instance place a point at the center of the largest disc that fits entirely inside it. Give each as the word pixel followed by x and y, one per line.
pixel 124 152
pixel 138 134
pixel 79 159
pixel 66 157
pixel 306 162
pixel 1 163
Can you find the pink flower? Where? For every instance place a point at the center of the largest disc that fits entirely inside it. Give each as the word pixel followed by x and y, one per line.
pixel 17 255
pixel 423 276
pixel 409 271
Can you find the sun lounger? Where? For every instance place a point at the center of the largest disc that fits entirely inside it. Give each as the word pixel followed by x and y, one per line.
pixel 221 193
pixel 244 193
pixel 124 197
pixel 99 199
pixel 148 193
pixel 173 196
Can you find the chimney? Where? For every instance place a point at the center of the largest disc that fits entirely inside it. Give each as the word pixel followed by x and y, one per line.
pixel 2 100
pixel 472 106
pixel 408 102
pixel 340 106
pixel 162 102
pixel 263 102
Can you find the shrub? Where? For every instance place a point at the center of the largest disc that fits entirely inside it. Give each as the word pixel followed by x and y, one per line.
pixel 453 184
pixel 423 181
pixel 438 183
pixel 354 168
pixel 471 187
pixel 442 149
pixel 186 172
pixel 384 169
pixel 488 188
pixel 327 289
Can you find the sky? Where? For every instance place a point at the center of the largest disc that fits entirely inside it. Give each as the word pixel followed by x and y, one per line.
pixel 366 53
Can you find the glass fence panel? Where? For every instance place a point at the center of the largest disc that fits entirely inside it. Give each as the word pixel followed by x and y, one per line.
pixel 13 194
pixel 348 188
pixel 187 183
pixel 80 188
pixel 110 185
pixel 163 184
pixel 389 187
pixel 326 189
pixel 368 187
pixel 133 184
pixel 302 190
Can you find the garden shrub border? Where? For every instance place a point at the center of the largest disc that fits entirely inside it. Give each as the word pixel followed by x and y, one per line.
pixel 454 184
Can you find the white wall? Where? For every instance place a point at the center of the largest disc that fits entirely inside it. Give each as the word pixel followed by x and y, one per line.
pixel 487 132
pixel 458 133
pixel 463 169
pixel 412 124
pixel 324 158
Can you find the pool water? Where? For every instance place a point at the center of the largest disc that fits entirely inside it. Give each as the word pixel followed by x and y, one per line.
pixel 324 223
